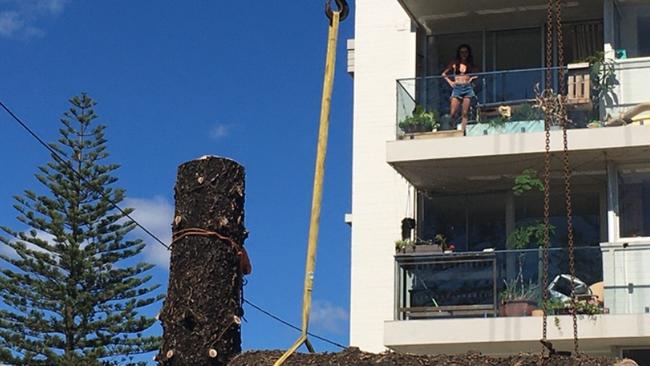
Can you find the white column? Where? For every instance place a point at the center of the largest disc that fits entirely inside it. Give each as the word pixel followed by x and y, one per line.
pixel 602 214
pixel 612 203
pixel 609 27
pixel 385 50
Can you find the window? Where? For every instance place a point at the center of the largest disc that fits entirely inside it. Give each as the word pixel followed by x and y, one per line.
pixel 586 214
pixel 505 50
pixel 634 202
pixel 634 28
pixel 514 49
pixel 641 356
pixel 643 34
pixel 471 222
pixel 582 40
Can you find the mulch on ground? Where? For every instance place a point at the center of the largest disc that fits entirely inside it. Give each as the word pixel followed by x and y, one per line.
pixel 355 357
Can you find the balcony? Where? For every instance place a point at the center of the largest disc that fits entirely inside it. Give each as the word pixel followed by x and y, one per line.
pixel 456 301
pixel 505 102
pixel 506 146
pixel 473 284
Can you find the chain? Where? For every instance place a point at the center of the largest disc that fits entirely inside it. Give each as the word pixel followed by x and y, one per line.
pixel 547 167
pixel 567 175
pixel 560 48
pixel 554 105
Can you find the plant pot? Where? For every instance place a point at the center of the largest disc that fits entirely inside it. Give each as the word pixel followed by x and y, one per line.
pixel 538 312
pixel 517 308
pixel 408 249
pixel 428 248
pixel 564 311
pixel 415 129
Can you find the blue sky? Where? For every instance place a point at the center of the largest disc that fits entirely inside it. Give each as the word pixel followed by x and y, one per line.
pixel 178 80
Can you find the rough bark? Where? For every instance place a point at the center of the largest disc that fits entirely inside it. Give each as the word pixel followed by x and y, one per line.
pixel 203 305
pixel 354 357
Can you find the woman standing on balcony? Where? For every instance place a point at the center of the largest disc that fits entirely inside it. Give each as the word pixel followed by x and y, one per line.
pixel 462 91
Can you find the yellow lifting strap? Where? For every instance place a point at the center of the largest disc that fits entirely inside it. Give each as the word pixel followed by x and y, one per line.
pixel 317 196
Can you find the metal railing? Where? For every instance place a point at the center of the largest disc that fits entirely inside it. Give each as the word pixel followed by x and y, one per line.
pixel 475 284
pixel 516 89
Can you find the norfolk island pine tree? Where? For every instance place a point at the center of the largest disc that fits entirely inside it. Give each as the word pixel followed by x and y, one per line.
pixel 73 291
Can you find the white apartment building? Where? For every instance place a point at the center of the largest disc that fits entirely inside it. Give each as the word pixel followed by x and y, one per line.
pixel 461 186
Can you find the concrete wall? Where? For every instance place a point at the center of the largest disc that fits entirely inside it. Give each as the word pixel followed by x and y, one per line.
pixel 384 52
pixel 598 334
pixel 633 78
pixel 627 277
pixel 633 74
pixel 512 145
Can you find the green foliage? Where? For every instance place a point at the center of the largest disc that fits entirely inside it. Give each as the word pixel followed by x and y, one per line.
pixel 527 181
pixel 588 308
pixel 595 124
pixel 530 234
pixel 555 306
pixel 527 236
pixel 527 112
pixel 70 288
pixel 497 122
pixel 401 244
pixel 440 240
pixel 515 290
pixel 419 121
pixel 602 74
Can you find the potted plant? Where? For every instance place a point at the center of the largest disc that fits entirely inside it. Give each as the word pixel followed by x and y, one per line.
pixel 518 298
pixel 595 124
pixel 602 74
pixel 527 181
pixel 404 245
pixel 527 234
pixel 557 307
pixel 589 307
pixel 419 121
pixel 583 307
pixel 422 246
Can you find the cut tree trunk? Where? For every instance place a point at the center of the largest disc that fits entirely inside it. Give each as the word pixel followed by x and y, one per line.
pixel 202 310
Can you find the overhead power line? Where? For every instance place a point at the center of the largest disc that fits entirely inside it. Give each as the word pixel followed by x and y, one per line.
pixel 61 160
pixel 95 188
pixel 277 318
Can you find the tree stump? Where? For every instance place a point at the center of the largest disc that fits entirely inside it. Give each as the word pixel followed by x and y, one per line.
pixel 202 310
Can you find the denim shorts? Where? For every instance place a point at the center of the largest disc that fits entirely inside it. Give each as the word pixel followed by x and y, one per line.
pixel 461 91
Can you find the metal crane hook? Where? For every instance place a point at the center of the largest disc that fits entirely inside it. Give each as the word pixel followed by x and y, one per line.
pixel 343 8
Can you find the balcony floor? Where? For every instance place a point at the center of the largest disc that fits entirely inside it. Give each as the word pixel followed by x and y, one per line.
pixel 453 164
pixel 599 334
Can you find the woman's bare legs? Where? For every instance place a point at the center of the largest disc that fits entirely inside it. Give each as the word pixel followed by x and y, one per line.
pixel 466 104
pixel 455 107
